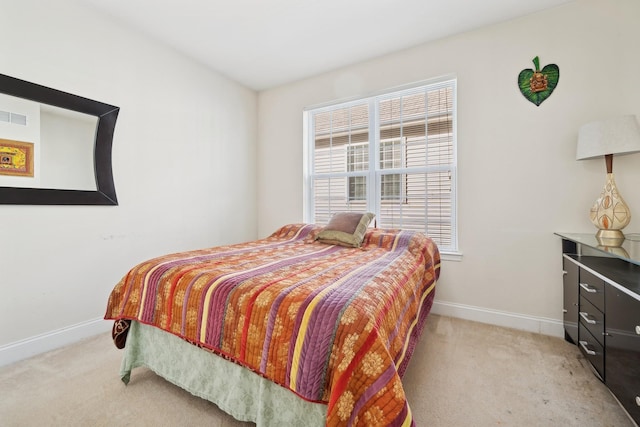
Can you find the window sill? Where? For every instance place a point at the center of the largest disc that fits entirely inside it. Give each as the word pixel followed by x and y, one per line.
pixel 451 256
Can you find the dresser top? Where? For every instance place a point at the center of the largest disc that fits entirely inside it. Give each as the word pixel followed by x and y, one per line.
pixel 628 250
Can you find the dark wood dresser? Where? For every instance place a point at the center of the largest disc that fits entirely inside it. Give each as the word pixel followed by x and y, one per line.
pixel 602 310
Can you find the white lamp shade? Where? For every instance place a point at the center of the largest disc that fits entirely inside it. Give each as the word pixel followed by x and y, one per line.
pixel 619 135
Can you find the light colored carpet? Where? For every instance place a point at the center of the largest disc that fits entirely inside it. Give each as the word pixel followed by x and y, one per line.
pixel 462 374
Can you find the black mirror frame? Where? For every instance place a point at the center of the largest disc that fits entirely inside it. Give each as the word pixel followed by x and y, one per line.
pixel 105 193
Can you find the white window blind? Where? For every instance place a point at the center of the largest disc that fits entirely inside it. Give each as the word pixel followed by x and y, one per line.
pixel 392 154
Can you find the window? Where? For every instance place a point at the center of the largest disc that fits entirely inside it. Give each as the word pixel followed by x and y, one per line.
pixel 391 158
pixel 392 154
pixel 357 160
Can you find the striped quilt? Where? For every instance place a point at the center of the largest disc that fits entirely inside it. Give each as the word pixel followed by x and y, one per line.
pixel 332 324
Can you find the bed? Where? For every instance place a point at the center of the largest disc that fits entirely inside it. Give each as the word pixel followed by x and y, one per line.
pixel 285 330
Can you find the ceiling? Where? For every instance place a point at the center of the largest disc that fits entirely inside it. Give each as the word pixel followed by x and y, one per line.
pixel 266 43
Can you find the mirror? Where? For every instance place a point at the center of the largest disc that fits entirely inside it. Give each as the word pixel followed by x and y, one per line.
pixel 55 147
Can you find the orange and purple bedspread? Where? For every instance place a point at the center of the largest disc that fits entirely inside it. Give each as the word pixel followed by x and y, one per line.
pixel 332 324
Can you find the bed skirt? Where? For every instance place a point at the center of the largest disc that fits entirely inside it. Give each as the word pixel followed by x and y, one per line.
pixel 238 391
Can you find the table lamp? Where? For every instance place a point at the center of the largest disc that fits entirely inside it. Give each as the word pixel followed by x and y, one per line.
pixel 619 135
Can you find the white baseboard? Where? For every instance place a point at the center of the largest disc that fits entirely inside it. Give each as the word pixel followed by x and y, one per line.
pixel 23 349
pixel 540 325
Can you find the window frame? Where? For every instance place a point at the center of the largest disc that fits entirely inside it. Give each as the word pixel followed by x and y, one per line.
pixel 373 177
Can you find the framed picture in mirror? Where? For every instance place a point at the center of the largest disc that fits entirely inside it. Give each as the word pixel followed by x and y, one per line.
pixel 16 158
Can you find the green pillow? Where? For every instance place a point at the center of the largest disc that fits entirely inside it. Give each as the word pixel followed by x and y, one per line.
pixel 346 229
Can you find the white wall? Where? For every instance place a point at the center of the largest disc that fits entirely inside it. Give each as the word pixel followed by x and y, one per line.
pixel 518 180
pixel 68 159
pixel 183 163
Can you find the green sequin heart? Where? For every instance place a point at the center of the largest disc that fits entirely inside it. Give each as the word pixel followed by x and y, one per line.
pixel 538 85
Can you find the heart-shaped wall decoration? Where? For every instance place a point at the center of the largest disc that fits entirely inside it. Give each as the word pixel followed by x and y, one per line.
pixel 538 85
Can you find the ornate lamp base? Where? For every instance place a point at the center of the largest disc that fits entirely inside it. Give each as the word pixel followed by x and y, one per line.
pixel 610 214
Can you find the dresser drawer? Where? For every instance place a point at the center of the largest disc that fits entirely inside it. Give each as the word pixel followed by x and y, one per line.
pixel 622 362
pixel 592 349
pixel 592 319
pixel 592 288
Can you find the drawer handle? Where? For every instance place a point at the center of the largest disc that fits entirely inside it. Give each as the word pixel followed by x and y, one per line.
pixel 638 400
pixel 583 344
pixel 585 316
pixel 588 288
pixel 638 330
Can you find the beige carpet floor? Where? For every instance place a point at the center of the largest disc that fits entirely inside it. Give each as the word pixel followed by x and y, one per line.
pixel 462 374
